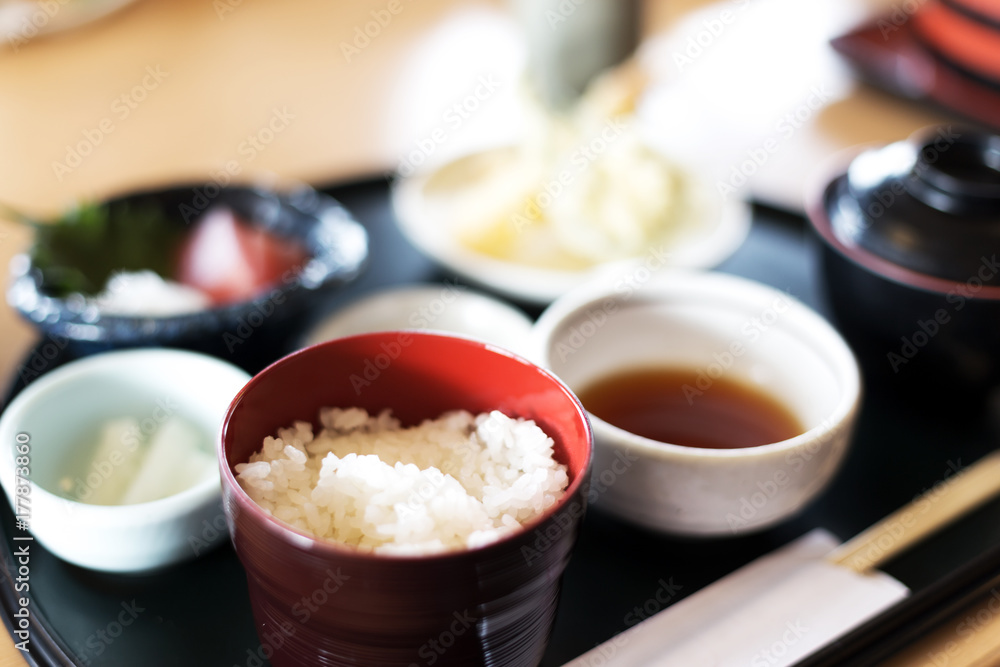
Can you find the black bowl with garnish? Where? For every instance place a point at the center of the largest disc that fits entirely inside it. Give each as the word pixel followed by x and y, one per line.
pixel 232 271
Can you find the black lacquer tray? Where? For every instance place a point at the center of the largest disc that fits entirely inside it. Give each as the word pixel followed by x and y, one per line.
pixel 199 614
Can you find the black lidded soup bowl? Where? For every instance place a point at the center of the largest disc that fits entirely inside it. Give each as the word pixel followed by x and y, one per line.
pixel 250 331
pixel 910 261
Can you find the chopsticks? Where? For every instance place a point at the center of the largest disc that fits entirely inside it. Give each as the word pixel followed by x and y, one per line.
pixel 835 591
pixel 956 496
pixel 905 621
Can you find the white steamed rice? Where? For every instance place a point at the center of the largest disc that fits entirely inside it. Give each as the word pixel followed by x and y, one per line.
pixel 461 480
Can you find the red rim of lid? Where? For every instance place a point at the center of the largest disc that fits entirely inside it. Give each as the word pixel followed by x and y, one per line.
pixel 985 10
pixel 819 219
pixel 969 43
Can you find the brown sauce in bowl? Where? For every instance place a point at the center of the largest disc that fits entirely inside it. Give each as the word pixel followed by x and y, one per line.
pixel 686 407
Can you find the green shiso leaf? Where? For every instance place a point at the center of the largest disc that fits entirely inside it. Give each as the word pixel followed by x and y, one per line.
pixel 81 250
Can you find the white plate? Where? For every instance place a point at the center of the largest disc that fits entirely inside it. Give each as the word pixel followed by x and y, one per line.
pixel 427 218
pixel 448 308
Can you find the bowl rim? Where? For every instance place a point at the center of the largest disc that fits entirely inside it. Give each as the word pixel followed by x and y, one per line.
pixel 175 505
pixel 316 545
pixel 358 309
pixel 695 284
pixel 832 172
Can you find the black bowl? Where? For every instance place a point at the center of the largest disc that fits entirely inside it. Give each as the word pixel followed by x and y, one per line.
pixel 911 262
pixel 250 333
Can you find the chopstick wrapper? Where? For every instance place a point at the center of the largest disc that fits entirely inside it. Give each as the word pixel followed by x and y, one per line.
pixel 773 611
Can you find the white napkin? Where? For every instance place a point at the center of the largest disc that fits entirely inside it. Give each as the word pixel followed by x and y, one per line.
pixel 771 612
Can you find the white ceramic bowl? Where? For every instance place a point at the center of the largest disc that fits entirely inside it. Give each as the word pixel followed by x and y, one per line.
pixel 53 416
pixel 449 308
pixel 719 325
pixel 427 214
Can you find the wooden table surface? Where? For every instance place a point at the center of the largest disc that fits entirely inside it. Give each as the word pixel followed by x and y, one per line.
pixel 190 90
